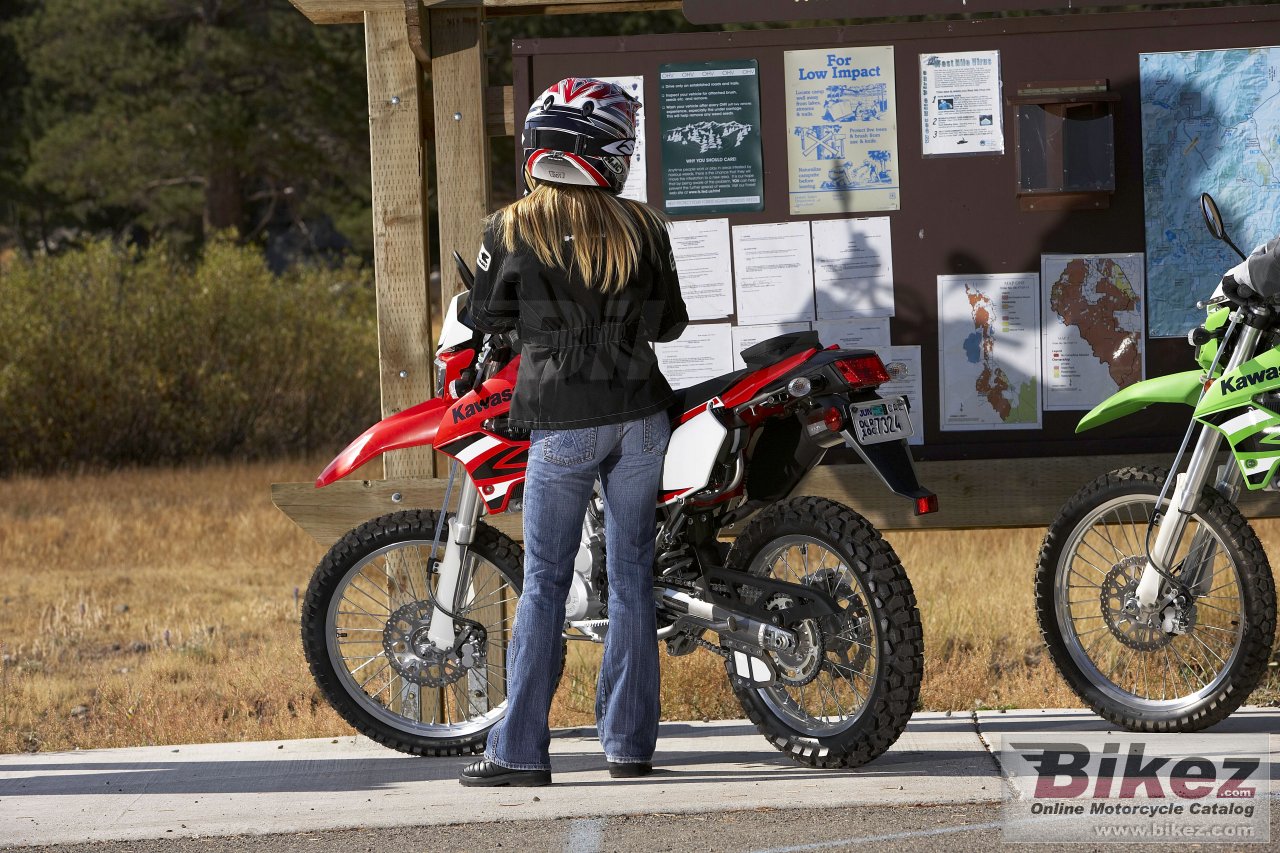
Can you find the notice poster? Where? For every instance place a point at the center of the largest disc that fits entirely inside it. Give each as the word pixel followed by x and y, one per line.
pixel 903 364
pixel 1093 327
pixel 704 261
pixel 703 352
pixel 852 268
pixel 636 187
pixel 858 333
pixel 960 103
pixel 989 351
pixel 749 336
pixel 842 130
pixel 710 122
pixel 773 272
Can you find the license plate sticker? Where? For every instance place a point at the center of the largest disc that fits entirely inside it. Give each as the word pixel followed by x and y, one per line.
pixel 881 420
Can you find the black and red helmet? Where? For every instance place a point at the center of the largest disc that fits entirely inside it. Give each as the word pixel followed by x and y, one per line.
pixel 581 131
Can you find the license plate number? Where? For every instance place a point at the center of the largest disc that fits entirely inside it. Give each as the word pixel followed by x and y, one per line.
pixel 881 420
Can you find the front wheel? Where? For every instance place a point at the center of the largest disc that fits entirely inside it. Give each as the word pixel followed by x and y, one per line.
pixel 843 696
pixel 364 626
pixel 1181 669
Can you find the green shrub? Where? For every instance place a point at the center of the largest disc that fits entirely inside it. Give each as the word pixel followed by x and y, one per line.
pixel 111 356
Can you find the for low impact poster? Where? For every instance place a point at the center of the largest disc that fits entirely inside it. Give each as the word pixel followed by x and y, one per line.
pixel 710 123
pixel 842 130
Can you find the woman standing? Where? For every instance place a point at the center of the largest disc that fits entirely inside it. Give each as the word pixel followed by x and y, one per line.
pixel 587 280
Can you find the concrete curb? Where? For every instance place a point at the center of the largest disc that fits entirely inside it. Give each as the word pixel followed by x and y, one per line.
pixel 294 786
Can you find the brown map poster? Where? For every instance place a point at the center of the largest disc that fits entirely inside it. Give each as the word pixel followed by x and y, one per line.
pixel 1094 334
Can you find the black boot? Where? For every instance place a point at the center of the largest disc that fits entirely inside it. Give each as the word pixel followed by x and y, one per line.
pixel 485 774
pixel 629 770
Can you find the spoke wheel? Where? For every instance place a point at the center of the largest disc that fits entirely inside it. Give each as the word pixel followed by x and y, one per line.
pixel 845 693
pixel 365 622
pixel 1178 667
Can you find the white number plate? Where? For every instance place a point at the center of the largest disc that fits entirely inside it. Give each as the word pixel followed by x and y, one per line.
pixel 881 420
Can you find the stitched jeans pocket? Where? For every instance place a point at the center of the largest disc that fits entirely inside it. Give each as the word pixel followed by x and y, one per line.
pixel 657 434
pixel 569 447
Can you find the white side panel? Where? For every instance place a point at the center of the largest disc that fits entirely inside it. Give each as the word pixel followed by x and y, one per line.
pixel 692 453
pixel 452 332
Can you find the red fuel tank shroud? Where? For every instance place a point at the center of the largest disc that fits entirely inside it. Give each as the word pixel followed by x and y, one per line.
pixel 496 463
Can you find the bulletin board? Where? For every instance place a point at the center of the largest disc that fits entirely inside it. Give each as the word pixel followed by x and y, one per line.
pixel 919 198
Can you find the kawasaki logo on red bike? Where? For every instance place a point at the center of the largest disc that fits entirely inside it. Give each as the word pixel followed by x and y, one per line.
pixel 484 403
pixel 1228 385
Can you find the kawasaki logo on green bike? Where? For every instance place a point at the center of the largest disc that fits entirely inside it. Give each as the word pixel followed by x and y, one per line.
pixel 1244 380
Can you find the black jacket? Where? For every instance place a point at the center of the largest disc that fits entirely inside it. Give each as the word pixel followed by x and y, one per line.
pixel 586 357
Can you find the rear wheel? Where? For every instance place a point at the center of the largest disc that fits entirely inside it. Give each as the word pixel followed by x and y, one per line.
pixel 843 695
pixel 1127 665
pixel 364 624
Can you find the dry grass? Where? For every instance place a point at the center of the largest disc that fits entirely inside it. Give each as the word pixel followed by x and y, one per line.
pixel 155 607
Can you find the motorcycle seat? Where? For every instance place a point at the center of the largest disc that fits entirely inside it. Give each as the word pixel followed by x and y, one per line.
pixel 687 398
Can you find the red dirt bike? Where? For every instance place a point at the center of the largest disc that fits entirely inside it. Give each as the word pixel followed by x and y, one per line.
pixel 407 618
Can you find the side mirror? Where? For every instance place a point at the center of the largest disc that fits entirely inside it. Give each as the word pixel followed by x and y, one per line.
pixel 1213 220
pixel 465 271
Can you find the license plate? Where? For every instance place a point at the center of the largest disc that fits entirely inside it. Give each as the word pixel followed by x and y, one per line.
pixel 881 420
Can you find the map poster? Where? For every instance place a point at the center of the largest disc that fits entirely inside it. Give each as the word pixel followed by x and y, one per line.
pixel 960 103
pixel 1093 336
pixel 637 185
pixel 710 123
pixel 1209 121
pixel 989 351
pixel 842 130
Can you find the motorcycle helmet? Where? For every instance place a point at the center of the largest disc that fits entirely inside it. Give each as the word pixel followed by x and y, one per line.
pixel 581 131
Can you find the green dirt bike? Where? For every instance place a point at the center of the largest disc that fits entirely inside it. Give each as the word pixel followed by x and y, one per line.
pixel 1153 593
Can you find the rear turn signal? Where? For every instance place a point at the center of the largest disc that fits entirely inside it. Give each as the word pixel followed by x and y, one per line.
pixel 862 371
pixel 926 504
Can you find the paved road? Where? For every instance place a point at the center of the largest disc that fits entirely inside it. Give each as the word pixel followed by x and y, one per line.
pixel 718 782
pixel 918 829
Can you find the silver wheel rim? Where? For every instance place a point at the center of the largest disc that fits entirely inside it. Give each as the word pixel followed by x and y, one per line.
pixel 359 610
pixel 1185 670
pixel 840 694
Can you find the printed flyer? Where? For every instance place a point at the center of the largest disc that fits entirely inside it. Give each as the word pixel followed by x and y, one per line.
pixel 960 103
pixel 710 123
pixel 842 130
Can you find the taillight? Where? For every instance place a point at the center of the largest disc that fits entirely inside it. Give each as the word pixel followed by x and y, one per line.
pixel 863 370
pixel 834 419
pixel 926 504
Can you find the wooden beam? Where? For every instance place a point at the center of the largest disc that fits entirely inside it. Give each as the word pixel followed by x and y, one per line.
pixel 984 493
pixel 352 11
pixel 400 229
pixel 578 7
pixel 499 109
pixel 344 11
pixel 461 136
pixel 326 514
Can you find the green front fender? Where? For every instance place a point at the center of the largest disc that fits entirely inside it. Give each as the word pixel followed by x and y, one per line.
pixel 1174 388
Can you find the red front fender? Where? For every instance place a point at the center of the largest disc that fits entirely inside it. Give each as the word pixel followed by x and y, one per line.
pixel 413 427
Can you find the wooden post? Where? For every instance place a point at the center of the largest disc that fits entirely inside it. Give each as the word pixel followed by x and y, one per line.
pixel 462 140
pixel 400 228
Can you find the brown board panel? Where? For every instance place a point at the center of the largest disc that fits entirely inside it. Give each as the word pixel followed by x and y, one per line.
pixel 958 215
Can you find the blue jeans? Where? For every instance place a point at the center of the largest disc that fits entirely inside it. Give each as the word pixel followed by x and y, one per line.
pixel 563 467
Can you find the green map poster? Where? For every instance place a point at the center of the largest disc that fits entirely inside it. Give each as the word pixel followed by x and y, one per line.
pixel 710 125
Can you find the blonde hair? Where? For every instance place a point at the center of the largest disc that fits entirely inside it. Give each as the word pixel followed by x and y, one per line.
pixel 608 233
